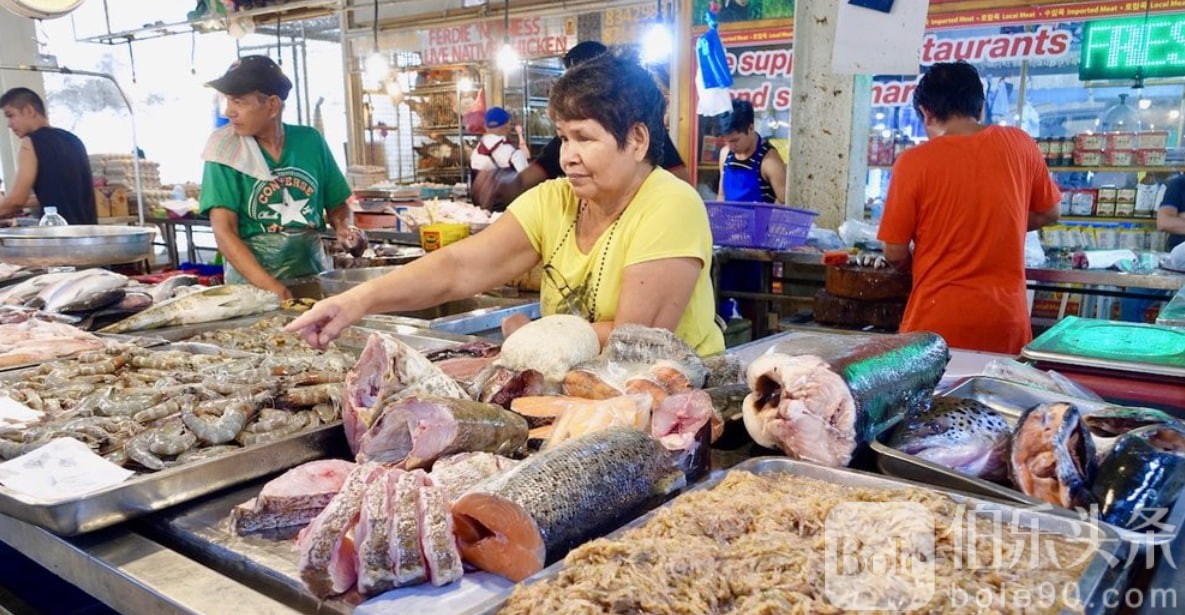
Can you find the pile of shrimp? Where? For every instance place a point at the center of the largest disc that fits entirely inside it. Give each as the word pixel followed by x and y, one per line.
pixel 150 410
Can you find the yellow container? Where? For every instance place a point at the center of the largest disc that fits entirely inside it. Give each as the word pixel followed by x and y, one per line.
pixel 439 235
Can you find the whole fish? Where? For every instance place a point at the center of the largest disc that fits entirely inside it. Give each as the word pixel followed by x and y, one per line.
pixel 822 409
pixel 515 522
pixel 1118 420
pixel 418 430
pixel 166 289
pixel 1140 481
pixel 388 370
pixel 961 434
pixel 94 301
pixel 208 305
pixel 1052 456
pixel 19 294
pixel 77 290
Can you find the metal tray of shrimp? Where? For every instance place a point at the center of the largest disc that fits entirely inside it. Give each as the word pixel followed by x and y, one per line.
pixel 148 492
pixel 1097 578
pixel 143 341
pixel 1010 399
pixel 352 339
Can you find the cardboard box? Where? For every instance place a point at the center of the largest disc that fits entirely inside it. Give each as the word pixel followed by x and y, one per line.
pixel 1154 139
pixel 1088 157
pixel 102 204
pixel 1151 157
pixel 119 203
pixel 1119 158
pixel 1089 141
pixel 1121 141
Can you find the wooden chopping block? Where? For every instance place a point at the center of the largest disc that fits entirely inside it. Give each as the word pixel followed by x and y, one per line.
pixel 867 283
pixel 833 310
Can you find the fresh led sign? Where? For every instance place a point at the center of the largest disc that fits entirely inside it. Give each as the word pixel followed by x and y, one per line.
pixel 1115 48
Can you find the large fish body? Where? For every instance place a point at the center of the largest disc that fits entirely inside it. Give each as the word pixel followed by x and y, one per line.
pixel 388 370
pixel 961 434
pixel 822 409
pixel 1052 455
pixel 1141 479
pixel 75 291
pixel 206 305
pixel 22 293
pixel 513 523
pixel 415 431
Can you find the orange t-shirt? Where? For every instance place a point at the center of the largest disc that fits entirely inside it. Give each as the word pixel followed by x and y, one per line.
pixel 964 202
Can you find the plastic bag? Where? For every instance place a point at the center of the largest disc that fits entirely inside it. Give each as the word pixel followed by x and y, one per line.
pixel 854 232
pixel 1034 253
pixel 1015 371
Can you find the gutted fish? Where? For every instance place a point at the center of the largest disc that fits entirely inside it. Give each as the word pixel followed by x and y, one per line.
pixel 406 556
pixel 372 534
pixel 515 522
pixel 386 371
pixel 822 409
pixel 1118 420
pixel 328 565
pixel 479 349
pixel 436 536
pixel 961 434
pixel 501 385
pixel 1052 456
pixel 206 305
pixel 456 474
pixel 1140 481
pixel 417 430
pixel 677 420
pixel 550 346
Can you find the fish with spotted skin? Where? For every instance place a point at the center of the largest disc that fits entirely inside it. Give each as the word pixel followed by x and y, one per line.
pixel 961 434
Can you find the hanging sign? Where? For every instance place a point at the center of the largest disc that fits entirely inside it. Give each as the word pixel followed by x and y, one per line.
pixel 534 37
pixel 1117 48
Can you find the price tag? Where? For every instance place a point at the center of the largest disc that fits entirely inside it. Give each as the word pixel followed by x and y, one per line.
pixel 62 469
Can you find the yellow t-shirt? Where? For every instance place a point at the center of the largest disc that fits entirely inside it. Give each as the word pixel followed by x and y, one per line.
pixel 666 219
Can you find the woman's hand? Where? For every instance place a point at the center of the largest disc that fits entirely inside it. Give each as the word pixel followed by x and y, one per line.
pixel 327 319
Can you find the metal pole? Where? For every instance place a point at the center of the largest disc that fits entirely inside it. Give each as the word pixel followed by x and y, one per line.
pixel 131 115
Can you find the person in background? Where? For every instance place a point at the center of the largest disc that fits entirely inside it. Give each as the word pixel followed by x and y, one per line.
pixel 270 187
pixel 547 164
pixel 965 198
pixel 1170 214
pixel 495 150
pixel 751 170
pixel 621 240
pixel 52 163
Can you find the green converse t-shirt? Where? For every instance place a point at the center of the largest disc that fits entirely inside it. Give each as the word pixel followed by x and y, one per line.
pixel 307 181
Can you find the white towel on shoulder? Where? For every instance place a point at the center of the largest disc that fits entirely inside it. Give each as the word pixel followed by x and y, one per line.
pixel 239 153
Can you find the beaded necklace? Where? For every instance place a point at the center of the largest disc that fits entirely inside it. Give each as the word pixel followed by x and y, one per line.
pixel 592 316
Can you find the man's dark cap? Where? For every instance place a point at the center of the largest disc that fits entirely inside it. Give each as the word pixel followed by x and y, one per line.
pixel 253 74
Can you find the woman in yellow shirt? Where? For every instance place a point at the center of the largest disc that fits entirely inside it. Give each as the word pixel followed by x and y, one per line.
pixel 621 240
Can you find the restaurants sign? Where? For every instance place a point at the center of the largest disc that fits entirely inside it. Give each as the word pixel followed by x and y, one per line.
pixel 534 37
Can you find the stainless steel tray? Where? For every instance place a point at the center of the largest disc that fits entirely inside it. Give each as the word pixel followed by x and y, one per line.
pixel 1010 399
pixel 145 493
pixel 1111 345
pixel 80 245
pixel 142 341
pixel 1097 577
pixel 269 563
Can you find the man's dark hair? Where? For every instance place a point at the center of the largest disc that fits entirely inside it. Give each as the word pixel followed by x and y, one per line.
pixel 583 52
pixel 20 98
pixel 616 91
pixel 740 119
pixel 949 90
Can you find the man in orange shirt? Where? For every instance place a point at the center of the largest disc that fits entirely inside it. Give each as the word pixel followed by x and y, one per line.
pixel 965 199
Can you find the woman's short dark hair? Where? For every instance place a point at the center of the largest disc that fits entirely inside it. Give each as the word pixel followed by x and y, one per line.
pixel 948 90
pixel 617 92
pixel 583 52
pixel 740 119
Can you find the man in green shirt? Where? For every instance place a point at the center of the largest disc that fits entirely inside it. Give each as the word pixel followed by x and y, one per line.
pixel 269 187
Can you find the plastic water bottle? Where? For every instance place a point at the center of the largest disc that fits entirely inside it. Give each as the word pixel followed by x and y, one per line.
pixel 51 217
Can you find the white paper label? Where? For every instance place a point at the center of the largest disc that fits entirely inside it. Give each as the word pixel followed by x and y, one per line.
pixel 14 414
pixel 62 469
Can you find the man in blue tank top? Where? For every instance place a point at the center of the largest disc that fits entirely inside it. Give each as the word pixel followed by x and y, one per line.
pixel 751 170
pixel 52 163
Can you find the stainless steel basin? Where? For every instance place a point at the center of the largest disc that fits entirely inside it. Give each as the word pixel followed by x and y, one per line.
pixel 478 315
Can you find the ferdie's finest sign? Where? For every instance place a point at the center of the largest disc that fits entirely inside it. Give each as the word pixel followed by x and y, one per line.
pixel 1117 48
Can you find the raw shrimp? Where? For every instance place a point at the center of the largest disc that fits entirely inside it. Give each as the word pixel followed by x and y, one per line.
pixel 227 424
pixel 138 450
pixel 303 397
pixel 171 439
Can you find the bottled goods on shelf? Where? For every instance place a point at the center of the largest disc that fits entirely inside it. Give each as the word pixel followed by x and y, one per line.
pixel 883 149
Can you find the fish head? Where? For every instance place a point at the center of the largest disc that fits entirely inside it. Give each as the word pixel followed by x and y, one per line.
pixel 1052 455
pixel 1117 420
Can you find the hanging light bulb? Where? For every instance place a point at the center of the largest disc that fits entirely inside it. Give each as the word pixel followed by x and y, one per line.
pixel 376 67
pixel 657 42
pixel 508 58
